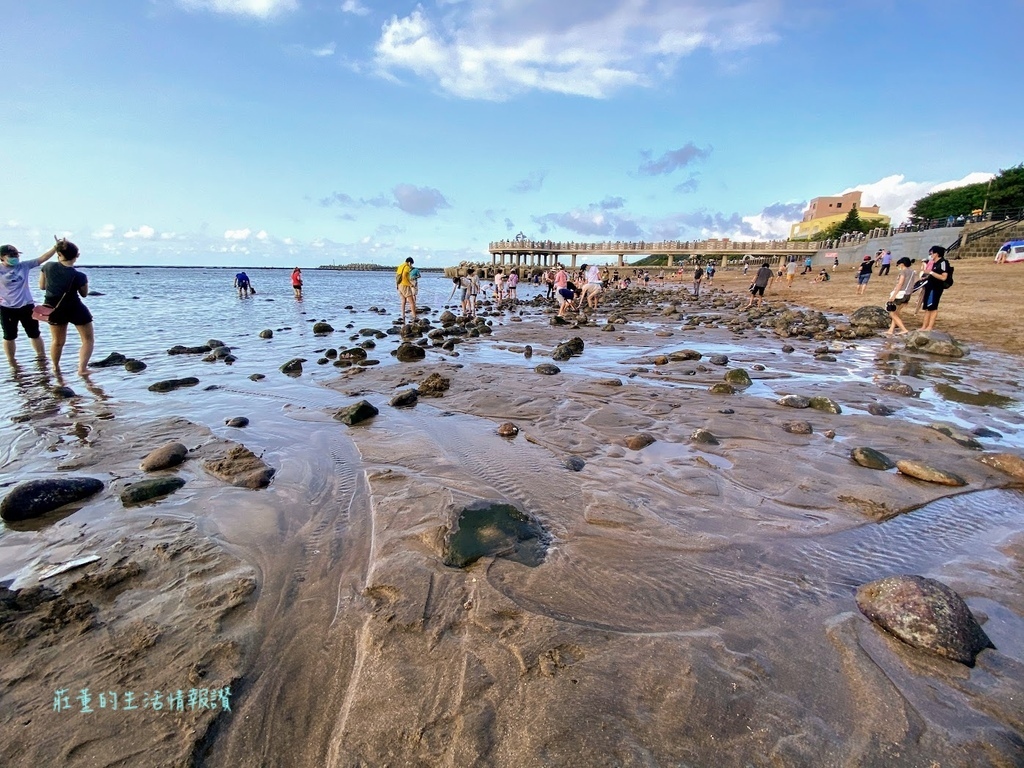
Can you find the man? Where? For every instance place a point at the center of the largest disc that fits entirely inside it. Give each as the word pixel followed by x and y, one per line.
pixel 243 284
pixel 16 303
pixel 698 275
pixel 791 271
pixel 886 263
pixel 762 280
pixel 936 271
pixel 808 262
pixel 406 289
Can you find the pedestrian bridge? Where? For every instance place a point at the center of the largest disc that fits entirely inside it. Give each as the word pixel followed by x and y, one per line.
pixel 547 253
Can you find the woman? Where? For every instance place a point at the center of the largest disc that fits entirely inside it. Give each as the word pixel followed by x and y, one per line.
pixel 64 286
pixel 900 295
pixel 297 282
pixel 864 275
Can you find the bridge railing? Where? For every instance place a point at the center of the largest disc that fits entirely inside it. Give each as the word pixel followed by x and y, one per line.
pixel 663 246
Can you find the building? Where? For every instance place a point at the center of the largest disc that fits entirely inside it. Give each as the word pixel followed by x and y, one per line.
pixel 823 212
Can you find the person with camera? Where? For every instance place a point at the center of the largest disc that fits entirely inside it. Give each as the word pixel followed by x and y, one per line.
pixel 65 286
pixel 16 302
pixel 935 272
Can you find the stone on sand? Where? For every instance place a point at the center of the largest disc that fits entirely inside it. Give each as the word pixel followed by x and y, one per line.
pixel 150 488
pixel 240 467
pixel 37 497
pixel 922 471
pixel 1009 463
pixel 166 456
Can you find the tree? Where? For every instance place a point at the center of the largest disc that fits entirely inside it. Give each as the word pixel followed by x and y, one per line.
pixel 949 202
pixel 1007 190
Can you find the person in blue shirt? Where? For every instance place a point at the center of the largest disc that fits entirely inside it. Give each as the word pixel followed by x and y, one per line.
pixel 243 284
pixel 16 303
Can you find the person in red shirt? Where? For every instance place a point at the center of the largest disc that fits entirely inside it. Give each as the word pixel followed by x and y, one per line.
pixel 297 282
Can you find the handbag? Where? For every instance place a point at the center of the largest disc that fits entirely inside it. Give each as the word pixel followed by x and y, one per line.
pixel 42 312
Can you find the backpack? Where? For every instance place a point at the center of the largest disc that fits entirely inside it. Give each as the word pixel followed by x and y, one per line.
pixel 949 276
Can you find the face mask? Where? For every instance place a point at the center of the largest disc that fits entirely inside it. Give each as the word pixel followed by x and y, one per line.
pixel 13 261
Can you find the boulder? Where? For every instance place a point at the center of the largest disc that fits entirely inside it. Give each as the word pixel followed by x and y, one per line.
pixel 872 459
pixel 719 359
pixel 134 366
pixel 356 413
pixel 293 367
pixel 872 317
pixel 1005 462
pixel 825 404
pixel 954 434
pixel 934 343
pixel 237 421
pixel 266 333
pixel 880 409
pixel 925 614
pixel 322 329
pixel 722 388
pixel 574 463
pixel 921 471
pixel 240 467
pixel 405 399
pixel 794 401
pixel 703 436
pixel 409 353
pixel 508 429
pixel 166 456
pixel 179 349
pixel 639 441
pixel 37 497
pixel 114 358
pixel 798 427
pixel 898 388
pixel 547 369
pixel 168 385
pixel 684 354
pixel 738 377
pixel 435 385
pixel 150 488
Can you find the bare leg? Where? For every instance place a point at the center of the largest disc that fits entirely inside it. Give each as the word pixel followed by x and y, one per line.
pixel 37 345
pixel 9 351
pixel 58 335
pixel 85 352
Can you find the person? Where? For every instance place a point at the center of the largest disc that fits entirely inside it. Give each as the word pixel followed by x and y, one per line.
pixel 762 281
pixel 16 302
pixel 1003 254
pixel 559 280
pixel 886 263
pixel 647 278
pixel 592 289
pixel 791 271
pixel 710 272
pixel 835 262
pixel 64 286
pixel 549 280
pixel 513 283
pixel 698 274
pixel 565 297
pixel 900 295
pixel 936 271
pixel 823 276
pixel 499 285
pixel 807 266
pixel 297 282
pixel 864 274
pixel 243 284
pixel 474 290
pixel 406 290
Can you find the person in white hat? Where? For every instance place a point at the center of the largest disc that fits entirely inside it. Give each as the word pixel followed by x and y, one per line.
pixel 16 302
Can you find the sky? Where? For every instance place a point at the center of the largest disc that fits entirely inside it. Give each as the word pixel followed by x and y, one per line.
pixel 309 132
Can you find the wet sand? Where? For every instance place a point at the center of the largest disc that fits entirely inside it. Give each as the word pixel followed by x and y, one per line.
pixel 695 606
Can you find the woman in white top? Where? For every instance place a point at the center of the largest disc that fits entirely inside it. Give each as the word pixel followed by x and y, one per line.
pixel 900 295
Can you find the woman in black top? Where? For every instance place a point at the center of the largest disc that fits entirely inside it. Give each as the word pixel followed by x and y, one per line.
pixel 64 286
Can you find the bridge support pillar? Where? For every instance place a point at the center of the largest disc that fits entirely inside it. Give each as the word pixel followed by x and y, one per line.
pixel 622 261
pixel 572 262
pixel 671 261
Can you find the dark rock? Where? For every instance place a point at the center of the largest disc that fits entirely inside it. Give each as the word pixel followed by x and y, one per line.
pixel 435 385
pixel 178 349
pixel 921 471
pixel 794 401
pixel 63 392
pixel 726 411
pixel 738 378
pixel 405 399
pixel 961 438
pixel 719 359
pixel 788 349
pixel 703 436
pixel 168 385
pixel 357 413
pixel 37 497
pixel 114 358
pixel 824 404
pixel 266 333
pixel 825 358
pixel 508 429
pixel 798 427
pixel 493 529
pixel 237 421
pixel 574 464
pixel 924 614
pixel 408 353
pixel 134 366
pixel 872 317
pixel 150 488
pixel 880 409
pixel 898 388
pixel 222 352
pixel 240 467
pixel 684 354
pixel 985 432
pixel 935 343
pixel 293 367
pixel 872 459
pixel 214 343
pixel 322 329
pixel 722 388
pixel 257 376
pixel 547 369
pixel 352 354
pixel 640 441
pixel 166 456
pixel 528 352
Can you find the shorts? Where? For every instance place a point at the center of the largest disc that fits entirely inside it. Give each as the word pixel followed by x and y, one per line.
pixel 592 288
pixel 863 279
pixel 12 316
pixel 406 291
pixel 932 294
pixel 463 295
pixel 78 314
pixel 757 290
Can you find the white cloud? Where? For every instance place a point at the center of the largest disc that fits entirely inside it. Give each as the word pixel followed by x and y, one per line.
pixel 261 9
pixel 105 232
pixel 262 235
pixel 237 234
pixel 354 7
pixel 494 49
pixel 894 195
pixel 143 233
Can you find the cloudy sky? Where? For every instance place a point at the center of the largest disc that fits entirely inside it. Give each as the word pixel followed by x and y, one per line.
pixel 283 132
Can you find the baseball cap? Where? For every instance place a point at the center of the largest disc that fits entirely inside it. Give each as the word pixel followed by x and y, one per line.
pixel 9 250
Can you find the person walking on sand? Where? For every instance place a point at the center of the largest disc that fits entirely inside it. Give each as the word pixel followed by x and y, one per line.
pixel 864 274
pixel 886 262
pixel 762 281
pixel 900 295
pixel 406 290
pixel 297 282
pixel 16 302
pixel 790 271
pixel 64 286
pixel 936 272
pixel 698 275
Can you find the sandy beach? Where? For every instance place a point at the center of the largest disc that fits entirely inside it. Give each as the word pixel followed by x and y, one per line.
pixel 693 600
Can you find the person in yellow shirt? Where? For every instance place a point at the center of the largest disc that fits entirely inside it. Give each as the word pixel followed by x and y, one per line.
pixel 406 289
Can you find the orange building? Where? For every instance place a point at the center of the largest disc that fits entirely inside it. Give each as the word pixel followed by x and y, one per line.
pixel 823 212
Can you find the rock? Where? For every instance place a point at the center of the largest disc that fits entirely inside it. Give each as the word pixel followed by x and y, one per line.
pixel 794 401
pixel 639 442
pixel 352 354
pixel 924 614
pixel 447 318
pixel 114 358
pixel 574 464
pixel 798 427
pixel 935 343
pixel 726 411
pixel 561 353
pixel 873 317
pixel 223 352
pixel 237 421
pixel 921 471
pixel 825 358
pixel 830 434
pixel 827 405
pixel 1005 462
pixel 547 369
pixel 703 436
pixel 215 343
pixel 722 388
pixel 435 385
pixel 872 459
pixel 354 414
pixel 409 353
pixel 134 366
pixel 178 349
pixel 322 329
pixel 508 429
pixel 961 438
pixel 528 351
pixel 257 376
pixel 880 409
pixel 405 399
pixel 266 333
pixel 719 359
pixel 63 392
pixel 661 360
pixel 738 377
pixel 493 528
pixel 170 384
pixel 293 367
pixel 37 497
pixel 787 349
pixel 898 388
pixel 985 432
pixel 684 354
pixel 150 488
pixel 166 456
pixel 241 468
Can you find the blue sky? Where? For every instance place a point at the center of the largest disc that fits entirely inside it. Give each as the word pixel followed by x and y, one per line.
pixel 283 132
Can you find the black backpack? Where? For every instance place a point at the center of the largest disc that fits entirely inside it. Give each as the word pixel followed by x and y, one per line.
pixel 949 276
